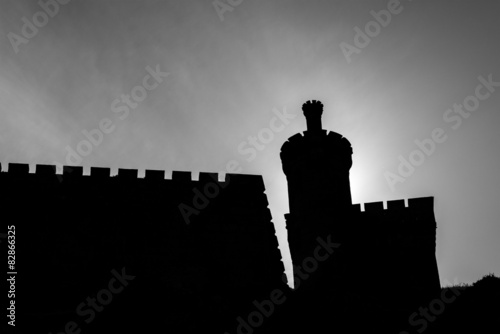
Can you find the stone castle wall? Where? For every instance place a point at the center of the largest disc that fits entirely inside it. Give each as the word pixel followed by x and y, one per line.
pixel 73 229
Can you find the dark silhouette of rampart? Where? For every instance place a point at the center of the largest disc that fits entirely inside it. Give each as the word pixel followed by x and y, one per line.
pixel 72 230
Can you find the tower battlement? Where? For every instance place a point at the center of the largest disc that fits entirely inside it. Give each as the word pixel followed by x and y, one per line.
pixel 332 138
pixel 418 214
pixel 399 204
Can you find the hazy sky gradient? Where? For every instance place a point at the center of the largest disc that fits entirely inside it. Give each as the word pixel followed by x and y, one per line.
pixel 227 77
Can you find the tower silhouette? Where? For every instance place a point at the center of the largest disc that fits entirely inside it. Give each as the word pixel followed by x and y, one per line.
pixel 392 248
pixel 317 167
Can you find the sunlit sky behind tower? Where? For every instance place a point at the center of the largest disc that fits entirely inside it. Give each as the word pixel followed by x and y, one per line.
pixel 231 72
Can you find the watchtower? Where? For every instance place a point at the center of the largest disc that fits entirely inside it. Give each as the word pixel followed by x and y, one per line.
pixel 317 166
pixel 392 242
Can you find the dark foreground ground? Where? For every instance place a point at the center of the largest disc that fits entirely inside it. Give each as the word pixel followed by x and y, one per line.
pixel 458 309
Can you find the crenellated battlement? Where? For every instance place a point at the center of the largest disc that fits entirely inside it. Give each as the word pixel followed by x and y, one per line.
pixel 334 139
pixel 100 173
pixel 400 204
pixel 415 214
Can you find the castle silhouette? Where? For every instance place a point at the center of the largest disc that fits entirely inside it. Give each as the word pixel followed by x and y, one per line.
pixel 222 272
